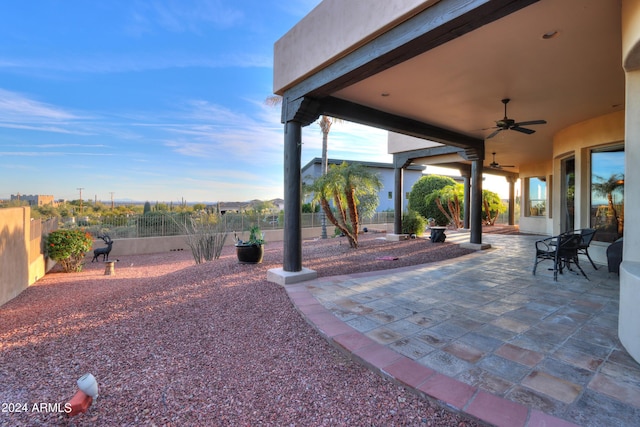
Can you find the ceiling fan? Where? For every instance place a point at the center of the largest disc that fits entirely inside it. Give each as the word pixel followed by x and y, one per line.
pixel 496 165
pixel 510 124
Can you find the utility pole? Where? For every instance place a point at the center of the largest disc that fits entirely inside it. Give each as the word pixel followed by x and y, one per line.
pixel 80 188
pixel 111 192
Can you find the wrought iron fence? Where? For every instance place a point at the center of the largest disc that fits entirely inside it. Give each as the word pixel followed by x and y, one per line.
pixel 160 224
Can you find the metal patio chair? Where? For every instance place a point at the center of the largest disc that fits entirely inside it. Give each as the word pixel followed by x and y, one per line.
pixel 562 250
pixel 587 236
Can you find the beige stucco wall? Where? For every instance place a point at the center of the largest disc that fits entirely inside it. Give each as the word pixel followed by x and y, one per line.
pixel 536 224
pixel 306 47
pixel 629 317
pixel 576 140
pixel 630 34
pixel 398 143
pixel 14 252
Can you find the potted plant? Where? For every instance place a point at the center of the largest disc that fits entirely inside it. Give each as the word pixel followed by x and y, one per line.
pixel 252 250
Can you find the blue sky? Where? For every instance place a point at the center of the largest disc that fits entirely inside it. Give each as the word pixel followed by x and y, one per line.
pixel 158 100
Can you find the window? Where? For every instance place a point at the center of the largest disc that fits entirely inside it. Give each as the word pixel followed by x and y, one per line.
pixel 537 196
pixel 607 193
pixel 390 195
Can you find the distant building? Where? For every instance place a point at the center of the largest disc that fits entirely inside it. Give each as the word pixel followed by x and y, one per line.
pixel 385 172
pixel 34 200
pixel 239 207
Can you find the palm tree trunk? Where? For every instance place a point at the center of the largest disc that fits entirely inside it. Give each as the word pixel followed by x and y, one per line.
pixel 353 211
pixel 325 126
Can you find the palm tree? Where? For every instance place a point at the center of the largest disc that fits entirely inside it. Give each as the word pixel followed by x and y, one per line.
pixel 344 185
pixel 451 196
pixel 606 187
pixel 325 123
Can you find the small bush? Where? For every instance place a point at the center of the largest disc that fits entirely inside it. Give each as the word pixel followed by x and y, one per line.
pixel 68 247
pixel 413 223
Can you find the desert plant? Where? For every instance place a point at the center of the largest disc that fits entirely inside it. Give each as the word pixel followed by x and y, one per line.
pixel 205 236
pixel 493 206
pixel 68 247
pixel 450 197
pixel 256 237
pixel 413 223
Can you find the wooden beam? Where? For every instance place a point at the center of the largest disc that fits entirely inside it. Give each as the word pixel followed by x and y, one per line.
pixel 353 112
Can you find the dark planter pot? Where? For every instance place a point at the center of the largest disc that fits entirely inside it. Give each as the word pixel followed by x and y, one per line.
pixel 249 254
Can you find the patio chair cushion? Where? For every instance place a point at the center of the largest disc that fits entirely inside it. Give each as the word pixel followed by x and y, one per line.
pixel 614 256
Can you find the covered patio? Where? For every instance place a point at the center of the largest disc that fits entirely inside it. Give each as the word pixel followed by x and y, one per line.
pixel 434 72
pixel 484 335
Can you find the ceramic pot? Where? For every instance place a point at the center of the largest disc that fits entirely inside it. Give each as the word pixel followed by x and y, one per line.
pixel 250 254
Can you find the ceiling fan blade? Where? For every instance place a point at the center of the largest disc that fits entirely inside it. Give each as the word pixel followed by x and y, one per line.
pixel 523 130
pixel 531 122
pixel 507 166
pixel 494 133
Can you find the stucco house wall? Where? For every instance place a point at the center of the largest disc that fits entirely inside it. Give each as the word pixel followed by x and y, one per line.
pixel 575 141
pixel 298 53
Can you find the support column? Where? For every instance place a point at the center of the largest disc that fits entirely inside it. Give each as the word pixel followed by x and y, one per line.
pixel 466 199
pixel 296 114
pixel 629 317
pixel 292 197
pixel 512 198
pixel 476 202
pixel 476 155
pixel 398 185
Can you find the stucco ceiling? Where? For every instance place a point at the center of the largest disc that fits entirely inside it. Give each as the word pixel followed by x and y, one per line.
pixel 566 79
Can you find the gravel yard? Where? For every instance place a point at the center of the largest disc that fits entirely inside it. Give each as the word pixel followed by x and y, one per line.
pixel 172 343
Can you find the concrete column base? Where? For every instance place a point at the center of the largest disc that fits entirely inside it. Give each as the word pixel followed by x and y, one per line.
pixel 629 316
pixel 282 277
pixel 396 237
pixel 476 246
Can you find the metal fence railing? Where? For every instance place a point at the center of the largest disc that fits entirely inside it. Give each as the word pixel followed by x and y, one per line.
pixel 158 224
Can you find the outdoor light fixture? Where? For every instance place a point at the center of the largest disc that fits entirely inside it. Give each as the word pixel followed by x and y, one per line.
pixel 83 398
pixel 88 384
pixel 550 34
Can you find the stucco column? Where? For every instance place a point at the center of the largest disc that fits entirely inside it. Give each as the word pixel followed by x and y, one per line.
pixel 398 184
pixel 476 202
pixel 629 317
pixel 292 197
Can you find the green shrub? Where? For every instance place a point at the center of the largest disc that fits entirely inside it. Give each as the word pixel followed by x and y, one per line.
pixel 68 247
pixel 420 201
pixel 413 223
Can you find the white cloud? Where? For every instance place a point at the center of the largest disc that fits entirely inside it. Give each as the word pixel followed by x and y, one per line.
pixel 17 107
pixel 179 16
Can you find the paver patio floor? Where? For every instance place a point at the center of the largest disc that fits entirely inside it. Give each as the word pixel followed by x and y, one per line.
pixel 483 334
